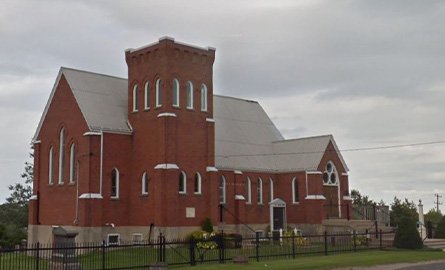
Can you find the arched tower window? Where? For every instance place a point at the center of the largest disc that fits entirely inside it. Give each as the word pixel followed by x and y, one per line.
pixel 50 167
pixel 222 190
pixel 144 184
pixel 330 177
pixel 158 93
pixel 61 154
pixel 175 93
pixel 259 189
pixel 182 183
pixel 197 183
pixel 295 191
pixel 147 96
pixel 189 95
pixel 248 190
pixel 115 183
pixel 135 98
pixel 73 163
pixel 270 189
pixel 203 98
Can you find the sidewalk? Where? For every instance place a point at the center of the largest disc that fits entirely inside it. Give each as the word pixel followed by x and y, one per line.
pixel 430 265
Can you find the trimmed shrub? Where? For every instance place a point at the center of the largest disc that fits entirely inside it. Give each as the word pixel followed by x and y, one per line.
pixel 207 225
pixel 203 239
pixel 407 235
pixel 440 230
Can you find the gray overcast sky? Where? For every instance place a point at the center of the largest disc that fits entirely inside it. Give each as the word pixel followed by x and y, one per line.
pixel 369 72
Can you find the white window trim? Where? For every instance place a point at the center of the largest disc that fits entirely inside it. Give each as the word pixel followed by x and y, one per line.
pixel 118 239
pixel 50 167
pixel 158 93
pixel 222 190
pixel 72 162
pixel 271 189
pixel 184 179
pixel 175 91
pixel 135 98
pixel 144 184
pixel 260 191
pixel 294 201
pixel 249 191
pixel 199 183
pixel 204 95
pixel 61 154
pixel 147 96
pixel 117 184
pixel 189 95
pixel 334 171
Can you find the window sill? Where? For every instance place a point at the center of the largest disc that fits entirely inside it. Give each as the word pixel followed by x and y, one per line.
pixel 60 184
pixel 115 198
pixel 197 193
pixel 295 203
pixel 182 193
pixel 72 183
pixel 176 106
pixel 146 109
pixel 51 184
pixel 144 195
pixel 190 109
pixel 135 111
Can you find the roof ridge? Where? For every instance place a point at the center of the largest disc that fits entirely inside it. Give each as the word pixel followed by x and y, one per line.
pixel 92 72
pixel 302 138
pixel 236 98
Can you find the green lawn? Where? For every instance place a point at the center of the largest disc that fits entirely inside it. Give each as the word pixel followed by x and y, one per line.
pixel 362 258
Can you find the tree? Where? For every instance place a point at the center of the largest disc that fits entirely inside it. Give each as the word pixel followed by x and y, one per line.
pixel 359 199
pixel 402 209
pixel 433 215
pixel 407 235
pixel 20 193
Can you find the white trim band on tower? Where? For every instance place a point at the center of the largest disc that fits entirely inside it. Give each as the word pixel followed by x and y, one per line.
pixel 314 172
pixel 166 166
pixel 237 172
pixel 239 198
pixel 347 198
pixel 211 120
pixel 33 198
pixel 344 174
pixel 211 169
pixel 167 114
pixel 91 196
pixel 92 133
pixel 315 197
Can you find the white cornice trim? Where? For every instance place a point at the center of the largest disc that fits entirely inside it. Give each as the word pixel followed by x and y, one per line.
pixel 33 198
pixel 36 142
pixel 91 196
pixel 237 172
pixel 166 166
pixel 347 198
pixel 314 172
pixel 211 169
pixel 211 120
pixel 315 197
pixel 239 198
pixel 344 174
pixel 92 133
pixel 167 114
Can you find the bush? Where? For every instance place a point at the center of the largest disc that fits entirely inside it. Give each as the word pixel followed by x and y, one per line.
pixel 407 235
pixel 440 230
pixel 207 225
pixel 203 239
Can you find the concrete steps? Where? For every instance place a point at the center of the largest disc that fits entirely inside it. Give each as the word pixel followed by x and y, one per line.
pixel 435 243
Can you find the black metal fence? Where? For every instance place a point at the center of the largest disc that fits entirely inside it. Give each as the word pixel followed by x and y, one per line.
pixel 218 249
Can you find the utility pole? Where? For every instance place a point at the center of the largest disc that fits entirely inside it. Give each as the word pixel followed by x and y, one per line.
pixel 437 202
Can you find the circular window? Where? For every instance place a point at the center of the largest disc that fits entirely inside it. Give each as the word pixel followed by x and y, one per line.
pixel 330 174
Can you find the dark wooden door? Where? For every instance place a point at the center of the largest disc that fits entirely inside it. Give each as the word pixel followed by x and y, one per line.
pixel 278 218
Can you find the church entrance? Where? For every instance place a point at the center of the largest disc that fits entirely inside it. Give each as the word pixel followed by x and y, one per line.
pixel 277 214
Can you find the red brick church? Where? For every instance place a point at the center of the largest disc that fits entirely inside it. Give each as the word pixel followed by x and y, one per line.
pixel 126 159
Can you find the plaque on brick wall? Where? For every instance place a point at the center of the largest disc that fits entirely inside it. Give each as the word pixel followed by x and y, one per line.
pixel 190 212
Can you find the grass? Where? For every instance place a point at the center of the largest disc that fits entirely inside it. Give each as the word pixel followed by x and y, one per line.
pixel 362 258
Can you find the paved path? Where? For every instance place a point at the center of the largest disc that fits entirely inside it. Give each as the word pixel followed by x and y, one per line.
pixel 431 265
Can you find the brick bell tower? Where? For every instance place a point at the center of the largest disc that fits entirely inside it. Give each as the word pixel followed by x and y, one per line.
pixel 170 109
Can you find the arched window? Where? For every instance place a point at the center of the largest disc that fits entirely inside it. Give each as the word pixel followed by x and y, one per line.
pixel 175 93
pixel 203 98
pixel 182 183
pixel 50 167
pixel 248 190
pixel 61 154
pixel 144 183
pixel 147 96
pixel 197 183
pixel 115 184
pixel 135 98
pixel 259 191
pixel 189 95
pixel 270 189
pixel 73 163
pixel 295 191
pixel 330 177
pixel 158 93
pixel 222 190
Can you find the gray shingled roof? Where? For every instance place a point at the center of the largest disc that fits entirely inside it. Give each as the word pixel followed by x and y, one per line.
pixel 245 137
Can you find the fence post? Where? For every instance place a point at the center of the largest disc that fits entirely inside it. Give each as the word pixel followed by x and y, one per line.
pixel 354 239
pixel 348 215
pixel 325 243
pixel 38 255
pixel 367 238
pixel 192 252
pixel 163 247
pixel 257 246
pixel 103 255
pixel 381 238
pixel 293 244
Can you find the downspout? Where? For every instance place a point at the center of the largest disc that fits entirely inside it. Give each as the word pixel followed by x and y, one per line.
pixel 101 160
pixel 76 221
